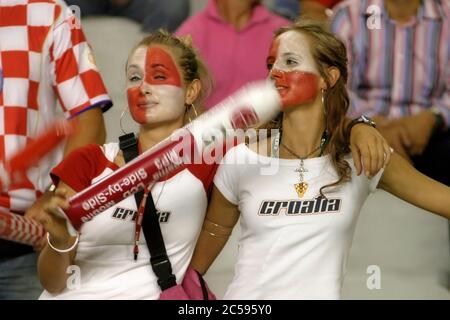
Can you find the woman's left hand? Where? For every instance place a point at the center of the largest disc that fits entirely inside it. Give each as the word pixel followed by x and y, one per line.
pixel 370 150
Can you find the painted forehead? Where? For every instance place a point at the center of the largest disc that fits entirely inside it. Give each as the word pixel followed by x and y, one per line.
pixel 292 45
pixel 158 64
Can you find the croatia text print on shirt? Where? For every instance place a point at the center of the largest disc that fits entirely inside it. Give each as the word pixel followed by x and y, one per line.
pixel 319 205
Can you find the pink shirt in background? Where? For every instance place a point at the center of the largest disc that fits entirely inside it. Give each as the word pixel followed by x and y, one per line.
pixel 233 57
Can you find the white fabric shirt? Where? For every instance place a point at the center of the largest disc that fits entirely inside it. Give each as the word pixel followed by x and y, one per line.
pixel 105 250
pixel 290 247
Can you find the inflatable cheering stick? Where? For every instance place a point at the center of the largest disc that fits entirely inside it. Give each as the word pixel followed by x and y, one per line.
pixel 19 229
pixel 252 105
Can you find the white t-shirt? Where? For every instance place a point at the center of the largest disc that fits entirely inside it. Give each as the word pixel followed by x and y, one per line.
pixel 105 250
pixel 290 247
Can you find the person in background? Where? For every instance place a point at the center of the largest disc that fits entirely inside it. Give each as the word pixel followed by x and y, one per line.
pixel 151 14
pixel 399 60
pixel 289 9
pixel 233 37
pixel 399 65
pixel 319 10
pixel 44 58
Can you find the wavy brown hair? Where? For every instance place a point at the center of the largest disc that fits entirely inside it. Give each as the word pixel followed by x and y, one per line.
pixel 328 51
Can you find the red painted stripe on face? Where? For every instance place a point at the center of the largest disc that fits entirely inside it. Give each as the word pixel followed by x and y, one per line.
pixel 135 97
pixel 160 68
pixel 296 87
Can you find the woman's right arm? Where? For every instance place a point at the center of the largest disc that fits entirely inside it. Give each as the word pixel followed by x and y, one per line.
pixel 52 265
pixel 220 219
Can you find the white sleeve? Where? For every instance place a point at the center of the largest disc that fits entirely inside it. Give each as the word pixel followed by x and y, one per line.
pixel 227 177
pixel 373 182
pixel 368 184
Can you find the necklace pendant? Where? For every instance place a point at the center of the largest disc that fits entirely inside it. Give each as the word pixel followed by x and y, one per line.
pixel 301 188
pixel 301 170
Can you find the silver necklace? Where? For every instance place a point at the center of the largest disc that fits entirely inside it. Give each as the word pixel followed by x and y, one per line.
pixel 302 186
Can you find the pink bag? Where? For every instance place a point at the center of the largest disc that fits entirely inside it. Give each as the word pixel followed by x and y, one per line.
pixel 174 293
pixel 193 287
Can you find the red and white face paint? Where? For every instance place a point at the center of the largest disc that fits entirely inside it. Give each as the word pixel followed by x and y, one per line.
pixel 293 69
pixel 154 86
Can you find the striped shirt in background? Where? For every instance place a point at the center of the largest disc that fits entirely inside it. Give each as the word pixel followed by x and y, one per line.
pixel 396 70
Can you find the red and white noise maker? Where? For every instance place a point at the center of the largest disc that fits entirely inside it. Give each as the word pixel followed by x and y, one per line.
pixel 14 169
pixel 14 227
pixel 254 104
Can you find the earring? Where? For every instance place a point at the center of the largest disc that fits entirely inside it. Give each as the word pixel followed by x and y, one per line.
pixel 195 110
pixel 323 102
pixel 192 106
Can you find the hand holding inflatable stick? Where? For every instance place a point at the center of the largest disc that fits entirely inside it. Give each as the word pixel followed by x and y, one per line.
pixel 253 105
pixel 14 227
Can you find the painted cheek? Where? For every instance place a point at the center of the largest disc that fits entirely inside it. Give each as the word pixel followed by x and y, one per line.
pixel 157 59
pixel 138 114
pixel 301 88
pixel 171 101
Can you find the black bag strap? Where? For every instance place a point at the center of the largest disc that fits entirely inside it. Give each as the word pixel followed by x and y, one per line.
pixel 203 286
pixel 129 146
pixel 150 223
